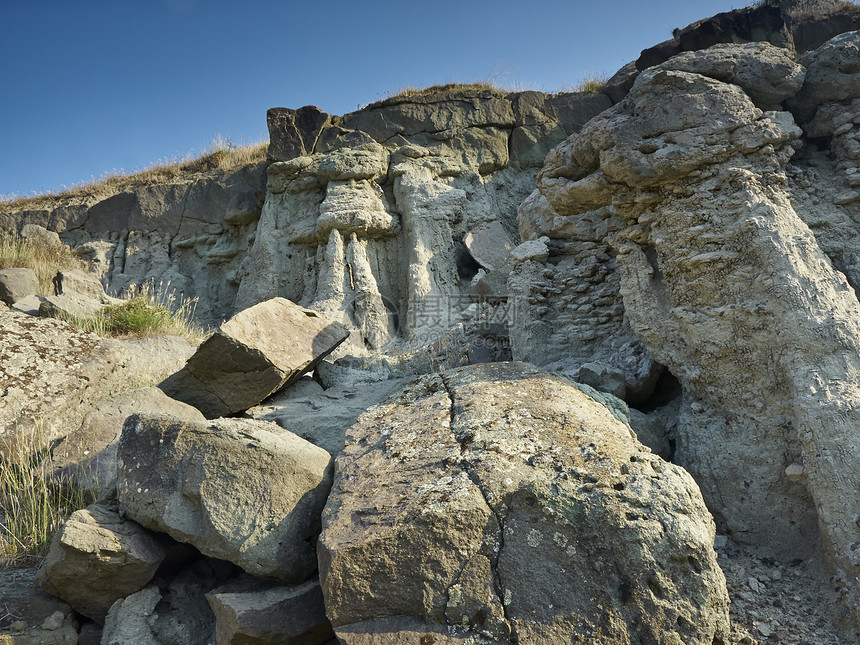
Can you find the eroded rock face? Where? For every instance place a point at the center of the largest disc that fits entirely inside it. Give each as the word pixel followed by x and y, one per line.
pixel 237 489
pixel 370 225
pixel 723 282
pixel 254 354
pixel 186 236
pixel 501 502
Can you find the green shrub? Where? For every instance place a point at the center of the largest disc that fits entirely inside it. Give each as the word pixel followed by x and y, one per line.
pixel 136 317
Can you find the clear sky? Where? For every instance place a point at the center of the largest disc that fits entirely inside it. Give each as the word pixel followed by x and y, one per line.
pixel 90 86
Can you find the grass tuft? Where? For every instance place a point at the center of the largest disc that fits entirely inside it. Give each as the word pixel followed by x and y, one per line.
pixel 590 83
pixel 32 507
pixel 146 311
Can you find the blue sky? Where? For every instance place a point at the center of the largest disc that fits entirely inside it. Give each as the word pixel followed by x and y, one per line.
pixel 89 86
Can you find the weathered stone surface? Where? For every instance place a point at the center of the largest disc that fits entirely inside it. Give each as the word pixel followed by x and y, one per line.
pixel 97 558
pixel 87 456
pixel 52 375
pixel 29 305
pixel 468 499
pixel 833 74
pixel 255 353
pixel 405 629
pixel 768 74
pixel 293 133
pixel 171 613
pixel 128 619
pixel 490 245
pixel 257 613
pixel 237 489
pixel 69 305
pixel 603 378
pixel 85 285
pixel 323 417
pixel 41 234
pixel 16 284
pixel 721 277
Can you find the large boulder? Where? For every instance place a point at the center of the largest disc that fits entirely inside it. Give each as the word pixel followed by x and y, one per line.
pixel 17 284
pixel 87 456
pixel 237 489
pixel 509 504
pixel 96 558
pixel 254 354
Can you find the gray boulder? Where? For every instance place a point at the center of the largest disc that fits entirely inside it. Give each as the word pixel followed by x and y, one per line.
pixel 97 558
pixel 40 233
pixel 169 614
pixel 17 284
pixel 239 490
pixel 68 306
pixel 28 305
pixel 87 456
pixel 501 501
pixel 254 354
pixel 250 612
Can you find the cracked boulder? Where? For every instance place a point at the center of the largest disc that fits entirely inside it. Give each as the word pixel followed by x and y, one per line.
pixel 239 490
pixel 503 504
pixel 253 355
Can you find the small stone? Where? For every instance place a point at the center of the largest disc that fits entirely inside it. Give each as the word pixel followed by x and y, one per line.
pixel 18 626
pixel 795 472
pixel 53 622
pixel 755 585
pixel 764 629
pixel 776 574
pixel 531 250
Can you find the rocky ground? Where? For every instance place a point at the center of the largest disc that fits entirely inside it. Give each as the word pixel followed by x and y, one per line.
pixel 779 602
pixel 791 603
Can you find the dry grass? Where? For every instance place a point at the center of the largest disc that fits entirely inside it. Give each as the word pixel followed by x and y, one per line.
pixel 34 253
pixel 221 155
pixel 408 92
pixel 591 82
pixel 32 506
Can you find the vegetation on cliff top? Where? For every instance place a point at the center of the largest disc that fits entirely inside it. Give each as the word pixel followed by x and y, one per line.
pixel 221 155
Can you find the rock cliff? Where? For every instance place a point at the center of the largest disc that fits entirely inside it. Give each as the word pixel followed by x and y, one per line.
pixel 676 256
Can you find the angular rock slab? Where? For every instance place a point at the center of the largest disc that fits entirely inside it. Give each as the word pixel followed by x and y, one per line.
pixel 506 501
pixel 239 490
pixel 254 354
pixel 270 614
pixel 96 558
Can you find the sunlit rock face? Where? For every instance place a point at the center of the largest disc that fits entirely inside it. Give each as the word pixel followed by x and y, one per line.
pixel 366 220
pixel 723 258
